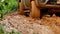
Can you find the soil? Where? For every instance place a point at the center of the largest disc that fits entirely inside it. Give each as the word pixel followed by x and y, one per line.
pixel 27 25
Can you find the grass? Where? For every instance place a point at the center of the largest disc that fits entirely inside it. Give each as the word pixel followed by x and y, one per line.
pixel 3 31
pixel 34 33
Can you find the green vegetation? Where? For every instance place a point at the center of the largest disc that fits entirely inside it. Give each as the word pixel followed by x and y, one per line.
pixel 7 6
pixel 34 33
pixel 3 31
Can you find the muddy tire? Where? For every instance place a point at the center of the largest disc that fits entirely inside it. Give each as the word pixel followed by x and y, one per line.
pixel 40 2
pixel 26 4
pixel 35 12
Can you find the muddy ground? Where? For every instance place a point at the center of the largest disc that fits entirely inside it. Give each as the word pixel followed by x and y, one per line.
pixel 27 25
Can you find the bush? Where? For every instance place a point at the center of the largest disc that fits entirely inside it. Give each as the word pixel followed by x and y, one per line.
pixel 6 6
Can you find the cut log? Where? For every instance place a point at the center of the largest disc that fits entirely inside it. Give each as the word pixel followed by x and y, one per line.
pixel 20 9
pixel 35 12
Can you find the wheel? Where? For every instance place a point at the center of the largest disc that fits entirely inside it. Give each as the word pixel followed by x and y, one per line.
pixel 40 2
pixel 35 12
pixel 22 5
pixel 26 4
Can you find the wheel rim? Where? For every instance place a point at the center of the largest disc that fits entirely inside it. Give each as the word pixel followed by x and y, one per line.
pixel 40 2
pixel 26 4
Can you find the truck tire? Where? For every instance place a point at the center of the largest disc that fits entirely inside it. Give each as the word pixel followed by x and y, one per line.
pixel 22 5
pixel 40 2
pixel 35 12
pixel 26 4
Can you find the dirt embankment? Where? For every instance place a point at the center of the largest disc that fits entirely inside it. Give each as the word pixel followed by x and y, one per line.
pixel 27 25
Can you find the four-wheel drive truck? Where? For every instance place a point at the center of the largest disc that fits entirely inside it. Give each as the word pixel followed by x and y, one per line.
pixel 35 6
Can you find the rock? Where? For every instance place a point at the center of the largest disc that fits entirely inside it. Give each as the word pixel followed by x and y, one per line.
pixel 53 15
pixel 58 21
pixel 47 16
